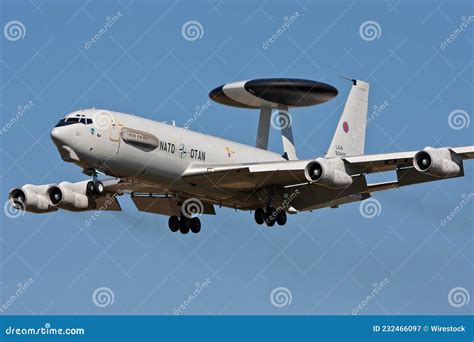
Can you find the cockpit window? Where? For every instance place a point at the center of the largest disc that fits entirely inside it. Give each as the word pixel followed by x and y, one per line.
pixel 73 120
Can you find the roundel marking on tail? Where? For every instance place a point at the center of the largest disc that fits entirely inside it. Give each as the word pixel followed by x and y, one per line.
pixel 345 127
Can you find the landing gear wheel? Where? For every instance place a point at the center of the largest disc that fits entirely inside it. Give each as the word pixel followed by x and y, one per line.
pixel 281 218
pixel 195 225
pixel 184 225
pixel 98 187
pixel 270 216
pixel 259 216
pixel 173 223
pixel 90 188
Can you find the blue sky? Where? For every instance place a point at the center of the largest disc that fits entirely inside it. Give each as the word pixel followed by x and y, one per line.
pixel 327 261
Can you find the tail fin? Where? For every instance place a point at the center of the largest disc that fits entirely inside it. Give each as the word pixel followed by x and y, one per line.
pixel 349 138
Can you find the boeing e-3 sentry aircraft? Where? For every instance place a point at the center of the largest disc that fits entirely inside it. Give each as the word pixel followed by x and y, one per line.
pixel 176 172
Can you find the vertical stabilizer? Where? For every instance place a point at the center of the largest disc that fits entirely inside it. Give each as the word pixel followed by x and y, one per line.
pixel 349 138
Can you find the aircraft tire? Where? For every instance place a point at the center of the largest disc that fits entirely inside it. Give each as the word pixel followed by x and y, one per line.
pixel 98 188
pixel 259 216
pixel 281 218
pixel 173 223
pixel 90 188
pixel 195 225
pixel 270 217
pixel 184 225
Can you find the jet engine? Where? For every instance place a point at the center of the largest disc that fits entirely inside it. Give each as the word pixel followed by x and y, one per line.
pixel 32 198
pixel 330 173
pixel 70 196
pixel 436 162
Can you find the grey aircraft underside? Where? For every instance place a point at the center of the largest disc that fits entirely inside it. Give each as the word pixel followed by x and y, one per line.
pixel 176 172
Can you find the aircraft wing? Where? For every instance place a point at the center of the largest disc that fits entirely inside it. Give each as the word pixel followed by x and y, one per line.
pixel 247 176
pixel 393 161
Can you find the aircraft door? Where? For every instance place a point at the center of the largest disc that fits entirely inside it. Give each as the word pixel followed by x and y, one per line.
pixel 107 121
pixel 114 133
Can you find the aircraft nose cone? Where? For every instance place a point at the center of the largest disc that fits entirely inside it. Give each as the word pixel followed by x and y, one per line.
pixel 57 135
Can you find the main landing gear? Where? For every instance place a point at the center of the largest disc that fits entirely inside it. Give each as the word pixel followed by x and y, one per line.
pixel 270 216
pixel 184 224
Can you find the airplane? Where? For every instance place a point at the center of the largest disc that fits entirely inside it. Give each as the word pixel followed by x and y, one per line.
pixel 183 174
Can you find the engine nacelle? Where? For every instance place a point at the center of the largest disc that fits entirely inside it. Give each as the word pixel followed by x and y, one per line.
pixel 70 196
pixel 31 198
pixel 330 173
pixel 436 162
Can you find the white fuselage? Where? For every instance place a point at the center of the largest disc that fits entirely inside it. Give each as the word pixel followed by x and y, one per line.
pixel 100 146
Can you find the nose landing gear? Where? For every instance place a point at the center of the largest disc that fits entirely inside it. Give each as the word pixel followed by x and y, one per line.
pixel 95 187
pixel 270 216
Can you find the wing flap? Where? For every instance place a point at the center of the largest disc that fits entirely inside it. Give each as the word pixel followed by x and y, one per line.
pixel 411 176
